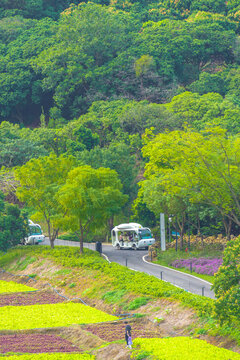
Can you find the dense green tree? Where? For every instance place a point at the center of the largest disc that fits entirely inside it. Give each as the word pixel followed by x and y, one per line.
pixel 116 157
pixel 90 197
pixel 20 89
pixel 13 224
pixel 226 285
pixel 203 165
pixel 89 36
pixel 40 180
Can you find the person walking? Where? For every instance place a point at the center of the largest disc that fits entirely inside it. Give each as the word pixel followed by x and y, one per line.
pixel 128 336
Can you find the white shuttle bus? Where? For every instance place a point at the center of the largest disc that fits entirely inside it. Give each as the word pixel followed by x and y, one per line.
pixel 35 235
pixel 131 236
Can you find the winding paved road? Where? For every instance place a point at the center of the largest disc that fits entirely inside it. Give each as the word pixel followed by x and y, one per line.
pixel 138 260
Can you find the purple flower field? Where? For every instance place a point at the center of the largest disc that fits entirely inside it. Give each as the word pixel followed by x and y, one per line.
pixel 199 265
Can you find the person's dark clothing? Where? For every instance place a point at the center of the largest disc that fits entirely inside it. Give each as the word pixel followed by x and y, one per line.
pixel 127 332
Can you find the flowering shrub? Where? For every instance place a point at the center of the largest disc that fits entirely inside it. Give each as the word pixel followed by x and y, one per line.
pixel 181 348
pixel 218 242
pixel 11 286
pixel 50 315
pixel 199 265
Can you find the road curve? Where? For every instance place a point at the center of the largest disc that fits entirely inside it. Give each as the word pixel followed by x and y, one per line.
pixel 138 260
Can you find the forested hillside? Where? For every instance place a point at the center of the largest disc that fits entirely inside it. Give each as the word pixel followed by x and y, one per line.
pixel 127 85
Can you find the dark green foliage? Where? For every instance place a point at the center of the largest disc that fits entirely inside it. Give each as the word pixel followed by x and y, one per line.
pixel 13 225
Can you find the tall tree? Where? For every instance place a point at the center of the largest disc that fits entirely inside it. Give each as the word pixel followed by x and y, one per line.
pixel 90 197
pixel 40 180
pixel 205 165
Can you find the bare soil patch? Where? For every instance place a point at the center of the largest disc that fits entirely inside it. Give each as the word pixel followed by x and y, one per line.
pixel 30 298
pixel 35 343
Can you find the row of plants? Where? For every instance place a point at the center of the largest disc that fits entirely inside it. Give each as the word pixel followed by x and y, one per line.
pixel 180 348
pixel 35 343
pixel 26 298
pixel 12 287
pixel 55 356
pixel 50 315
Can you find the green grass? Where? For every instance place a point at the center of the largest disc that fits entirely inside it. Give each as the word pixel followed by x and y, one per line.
pixel 137 303
pixel 50 315
pixel 114 297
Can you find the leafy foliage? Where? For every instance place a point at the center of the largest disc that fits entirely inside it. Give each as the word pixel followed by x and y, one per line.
pixel 226 284
pixel 13 224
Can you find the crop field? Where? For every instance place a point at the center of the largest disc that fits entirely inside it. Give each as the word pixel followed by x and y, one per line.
pixel 181 348
pixel 49 315
pixel 32 298
pixel 113 332
pixel 11 286
pixel 56 356
pixel 35 343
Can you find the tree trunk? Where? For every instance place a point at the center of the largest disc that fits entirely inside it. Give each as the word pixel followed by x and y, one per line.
pixel 81 238
pixel 51 238
pixel 228 226
pixel 110 224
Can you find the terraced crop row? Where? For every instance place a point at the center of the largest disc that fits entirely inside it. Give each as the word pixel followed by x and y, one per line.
pixel 32 298
pixel 181 348
pixel 49 315
pixel 13 287
pixel 56 356
pixel 113 332
pixel 35 343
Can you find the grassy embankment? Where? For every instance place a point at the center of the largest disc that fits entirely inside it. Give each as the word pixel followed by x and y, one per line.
pixel 94 279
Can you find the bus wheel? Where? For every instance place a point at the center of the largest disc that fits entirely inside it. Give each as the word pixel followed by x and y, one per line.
pixel 134 247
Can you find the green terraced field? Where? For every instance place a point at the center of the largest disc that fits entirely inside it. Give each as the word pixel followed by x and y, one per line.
pixel 50 315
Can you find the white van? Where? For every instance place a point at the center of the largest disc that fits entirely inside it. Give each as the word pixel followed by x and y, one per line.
pixel 131 236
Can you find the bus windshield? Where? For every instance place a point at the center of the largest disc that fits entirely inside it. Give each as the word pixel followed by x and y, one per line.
pixel 35 230
pixel 144 233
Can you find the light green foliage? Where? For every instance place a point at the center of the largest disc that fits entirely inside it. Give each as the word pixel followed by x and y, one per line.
pixel 90 197
pixel 11 287
pixel 53 356
pixel 40 180
pixel 182 348
pixel 50 315
pixel 204 166
pixel 116 157
pixel 226 285
pixel 143 65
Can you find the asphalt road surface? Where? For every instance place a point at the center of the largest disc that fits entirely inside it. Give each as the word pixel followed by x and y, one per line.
pixel 138 260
